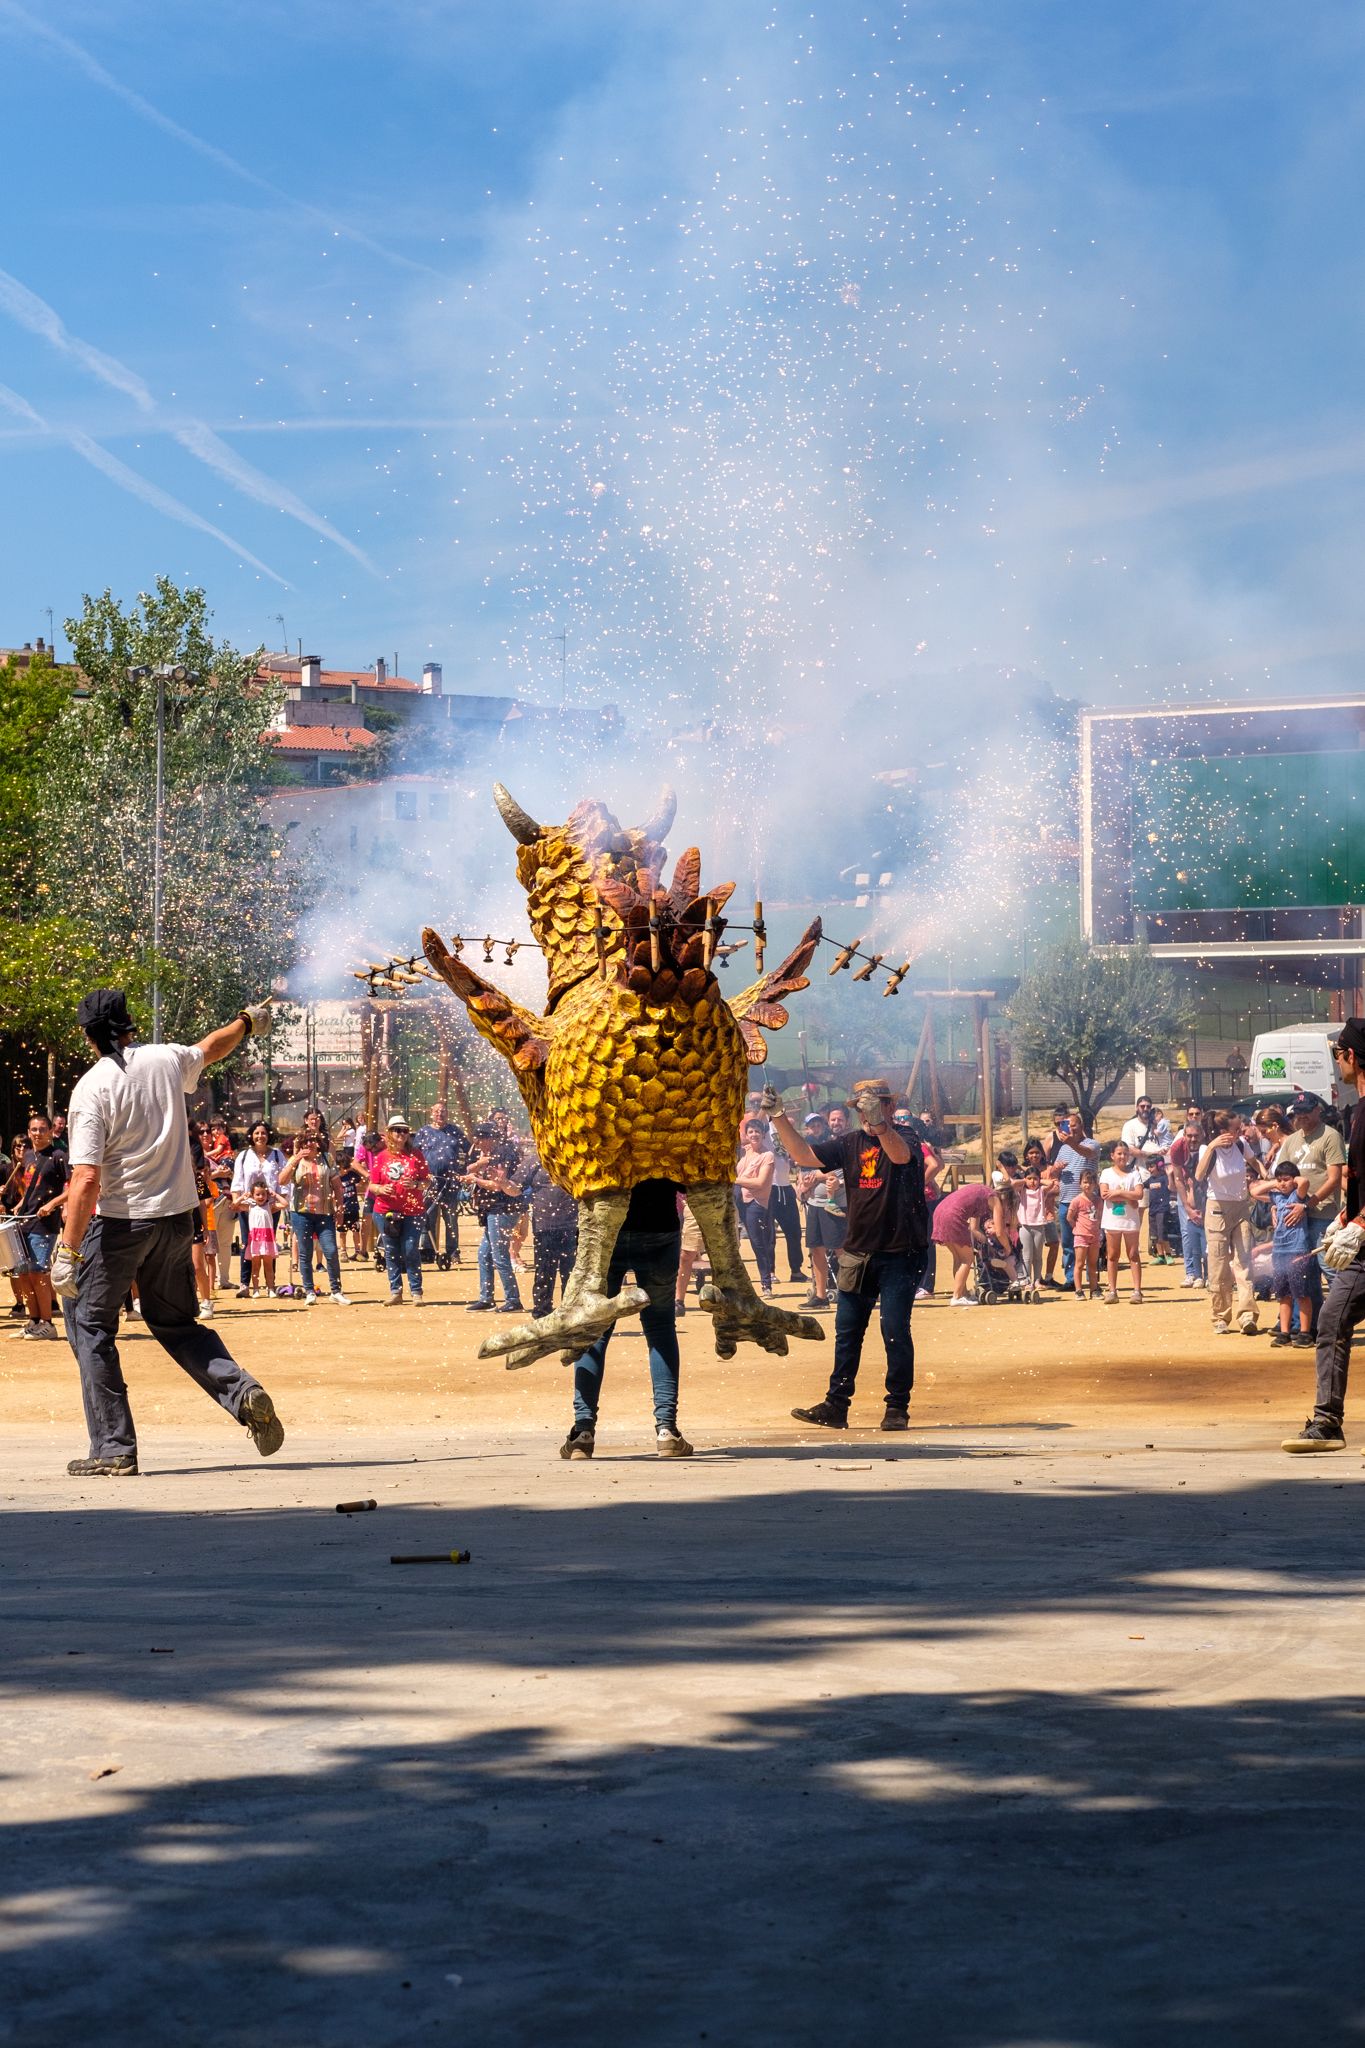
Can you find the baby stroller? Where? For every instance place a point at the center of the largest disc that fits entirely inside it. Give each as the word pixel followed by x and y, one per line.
pixel 991 1275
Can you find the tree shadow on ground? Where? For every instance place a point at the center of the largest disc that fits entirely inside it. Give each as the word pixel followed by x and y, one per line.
pixel 875 1853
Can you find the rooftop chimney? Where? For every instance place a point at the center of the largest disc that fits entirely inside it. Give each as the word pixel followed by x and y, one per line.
pixel 381 669
pixel 431 678
pixel 310 671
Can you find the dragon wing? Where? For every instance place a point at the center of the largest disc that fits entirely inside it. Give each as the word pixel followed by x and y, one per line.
pixel 757 1005
pixel 518 1034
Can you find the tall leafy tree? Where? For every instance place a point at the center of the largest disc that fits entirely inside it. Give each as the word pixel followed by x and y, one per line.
pixel 233 890
pixel 1087 1018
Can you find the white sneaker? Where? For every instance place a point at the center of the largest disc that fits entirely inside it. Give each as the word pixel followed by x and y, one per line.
pixel 308 1300
pixel 962 1301
pixel 1222 1329
pixel 923 1294
pixel 1187 1282
pixel 343 1299
pixel 672 1443
pixel 206 1311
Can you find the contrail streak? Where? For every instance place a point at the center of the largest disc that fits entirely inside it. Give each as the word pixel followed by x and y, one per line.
pixel 136 486
pixel 20 17
pixel 28 310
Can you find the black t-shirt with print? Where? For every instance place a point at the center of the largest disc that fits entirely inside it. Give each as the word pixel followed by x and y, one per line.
pixel 887 1211
pixel 42 1178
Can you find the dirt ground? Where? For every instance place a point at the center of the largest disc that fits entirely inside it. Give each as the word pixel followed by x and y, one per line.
pixel 1039 1725
pixel 367 1367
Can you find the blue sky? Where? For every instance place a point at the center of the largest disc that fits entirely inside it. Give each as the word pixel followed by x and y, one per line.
pixel 758 348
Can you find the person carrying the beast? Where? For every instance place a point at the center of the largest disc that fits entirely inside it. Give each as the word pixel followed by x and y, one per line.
pixel 130 1216
pixel 883 1256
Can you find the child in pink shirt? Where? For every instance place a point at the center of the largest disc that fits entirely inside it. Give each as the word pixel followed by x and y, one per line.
pixel 1084 1218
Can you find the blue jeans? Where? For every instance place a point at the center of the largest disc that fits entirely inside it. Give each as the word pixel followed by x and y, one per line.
pixel 322 1232
pixel 1068 1243
pixel 402 1236
pixel 652 1256
pixel 1195 1246
pixel 495 1256
pixel 889 1278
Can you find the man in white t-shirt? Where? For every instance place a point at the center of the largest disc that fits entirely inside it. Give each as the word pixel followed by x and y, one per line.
pixel 130 1216
pixel 1070 1155
pixel 1147 1131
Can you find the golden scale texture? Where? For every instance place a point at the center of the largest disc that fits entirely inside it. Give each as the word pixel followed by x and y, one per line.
pixel 635 1072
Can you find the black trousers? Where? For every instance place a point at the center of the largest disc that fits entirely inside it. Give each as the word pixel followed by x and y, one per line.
pixel 555 1252
pixel 157 1255
pixel 785 1211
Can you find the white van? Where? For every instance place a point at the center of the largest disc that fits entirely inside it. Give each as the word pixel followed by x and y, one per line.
pixel 1295 1056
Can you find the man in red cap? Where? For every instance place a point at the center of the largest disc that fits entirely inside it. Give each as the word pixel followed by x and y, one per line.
pixel 1343 1254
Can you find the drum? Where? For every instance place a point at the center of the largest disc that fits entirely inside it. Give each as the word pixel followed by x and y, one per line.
pixel 14 1256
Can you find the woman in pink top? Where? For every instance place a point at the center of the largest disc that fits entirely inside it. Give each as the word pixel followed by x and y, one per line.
pixel 753 1193
pixel 952 1226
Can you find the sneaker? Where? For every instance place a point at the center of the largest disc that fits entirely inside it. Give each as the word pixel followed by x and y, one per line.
pixel 800 1279
pixel 962 1301
pixel 1055 1285
pixel 1304 1340
pixel 206 1311
pixel 417 1301
pixel 17 1311
pixel 672 1443
pixel 581 1441
pixel 394 1301
pixel 473 1307
pixel 921 1294
pixel 31 1328
pixel 824 1415
pixel 1137 1296
pixel 1111 1294
pixel 1247 1326
pixel 1281 1341
pixel 135 1313
pixel 1222 1329
pixel 895 1418
pixel 510 1308
pixel 48 1335
pixel 257 1416
pixel 122 1467
pixel 1316 1436
pixel 1187 1282
pixel 341 1300
pixel 308 1300
pixel 243 1293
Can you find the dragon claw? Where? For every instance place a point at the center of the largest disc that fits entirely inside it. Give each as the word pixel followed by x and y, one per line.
pixel 740 1318
pixel 569 1329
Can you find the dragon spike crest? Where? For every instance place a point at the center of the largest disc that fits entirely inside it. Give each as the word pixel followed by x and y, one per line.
pixel 519 823
pixel 656 826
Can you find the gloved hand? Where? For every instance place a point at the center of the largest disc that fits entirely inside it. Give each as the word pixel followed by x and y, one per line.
pixel 258 1017
pixel 770 1101
pixel 65 1273
pixel 1341 1246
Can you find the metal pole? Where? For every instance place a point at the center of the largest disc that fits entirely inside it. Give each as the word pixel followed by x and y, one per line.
pixel 157 837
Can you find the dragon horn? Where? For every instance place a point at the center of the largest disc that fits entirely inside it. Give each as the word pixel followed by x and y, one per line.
pixel 656 827
pixel 519 823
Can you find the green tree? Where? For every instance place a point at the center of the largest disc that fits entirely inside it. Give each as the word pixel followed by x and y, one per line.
pixel 233 890
pixel 1087 1018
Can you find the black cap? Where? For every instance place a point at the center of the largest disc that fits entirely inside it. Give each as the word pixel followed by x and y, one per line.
pixel 105 1012
pixel 1351 1037
pixel 1305 1103
pixel 485 1130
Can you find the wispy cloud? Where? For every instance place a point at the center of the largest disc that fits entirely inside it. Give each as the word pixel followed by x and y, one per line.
pixel 75 53
pixel 199 439
pixel 137 486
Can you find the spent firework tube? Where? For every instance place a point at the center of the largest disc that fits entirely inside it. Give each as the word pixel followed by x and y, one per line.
pixel 355 1507
pixel 434 1557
